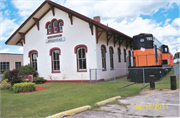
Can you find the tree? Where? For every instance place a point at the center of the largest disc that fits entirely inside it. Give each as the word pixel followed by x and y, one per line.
pixel 177 56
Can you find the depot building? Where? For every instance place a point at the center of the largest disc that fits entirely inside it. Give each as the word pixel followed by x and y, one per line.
pixel 63 45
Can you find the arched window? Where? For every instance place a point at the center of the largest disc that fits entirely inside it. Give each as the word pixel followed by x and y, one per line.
pixel 60 26
pixel 119 55
pixel 33 54
pixel 49 29
pixel 55 60
pixel 34 60
pixel 54 26
pixel 81 58
pixel 103 56
pixel 111 57
pixel 81 51
pixel 124 55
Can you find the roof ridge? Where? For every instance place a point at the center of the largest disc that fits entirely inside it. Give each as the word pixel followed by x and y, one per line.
pixel 74 13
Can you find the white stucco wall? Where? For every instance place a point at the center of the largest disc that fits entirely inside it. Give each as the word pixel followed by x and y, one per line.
pixel 78 33
pixel 109 74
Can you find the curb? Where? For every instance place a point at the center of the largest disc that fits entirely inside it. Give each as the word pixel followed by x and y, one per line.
pixel 107 101
pixel 84 108
pixel 70 112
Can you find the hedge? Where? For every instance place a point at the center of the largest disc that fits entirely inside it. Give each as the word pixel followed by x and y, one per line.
pixel 24 87
pixel 39 80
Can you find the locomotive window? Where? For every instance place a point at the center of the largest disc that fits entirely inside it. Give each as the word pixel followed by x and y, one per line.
pixel 149 44
pixel 157 43
pixel 165 49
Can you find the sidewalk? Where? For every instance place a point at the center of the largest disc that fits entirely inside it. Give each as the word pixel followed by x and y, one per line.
pixel 128 106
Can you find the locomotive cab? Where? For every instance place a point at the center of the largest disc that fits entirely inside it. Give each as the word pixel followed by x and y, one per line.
pixel 165 55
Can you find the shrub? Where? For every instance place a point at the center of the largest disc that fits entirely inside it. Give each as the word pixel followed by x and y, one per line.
pixel 24 87
pixel 39 80
pixel 28 69
pixel 4 73
pixel 5 84
pixel 13 77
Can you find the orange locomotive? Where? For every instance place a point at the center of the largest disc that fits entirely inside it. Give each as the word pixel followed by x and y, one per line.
pixel 148 52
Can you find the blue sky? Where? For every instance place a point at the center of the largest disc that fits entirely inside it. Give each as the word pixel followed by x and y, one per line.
pixel 159 17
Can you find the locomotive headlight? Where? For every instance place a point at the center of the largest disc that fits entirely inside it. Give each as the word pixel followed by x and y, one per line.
pixel 141 40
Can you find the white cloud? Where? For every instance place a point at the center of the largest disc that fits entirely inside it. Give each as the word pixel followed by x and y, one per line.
pixel 107 9
pixel 2 5
pixel 7 12
pixel 27 7
pixel 1 16
pixel 20 49
pixel 7 27
pixel 167 20
pixel 176 22
pixel 4 50
pixel 140 25
pixel 166 33
pixel 118 9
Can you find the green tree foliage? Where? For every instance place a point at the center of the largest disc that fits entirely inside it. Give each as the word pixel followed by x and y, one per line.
pixel 4 73
pixel 177 55
pixel 28 69
pixel 13 77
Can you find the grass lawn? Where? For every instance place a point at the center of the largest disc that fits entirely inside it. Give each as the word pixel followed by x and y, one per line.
pixel 165 82
pixel 62 96
pixel 65 96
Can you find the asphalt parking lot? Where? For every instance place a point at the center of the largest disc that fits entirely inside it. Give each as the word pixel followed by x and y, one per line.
pixel 165 103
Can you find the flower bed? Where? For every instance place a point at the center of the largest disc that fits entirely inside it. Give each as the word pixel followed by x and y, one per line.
pixel 38 88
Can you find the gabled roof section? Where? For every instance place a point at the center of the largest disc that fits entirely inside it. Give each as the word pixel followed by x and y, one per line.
pixel 18 37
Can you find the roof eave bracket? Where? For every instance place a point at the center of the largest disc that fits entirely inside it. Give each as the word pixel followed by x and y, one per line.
pixel 121 41
pixel 37 22
pixel 107 36
pixel 22 36
pixel 98 34
pixel 115 39
pixel 127 43
pixel 71 18
pixel 91 27
pixel 19 42
pixel 52 8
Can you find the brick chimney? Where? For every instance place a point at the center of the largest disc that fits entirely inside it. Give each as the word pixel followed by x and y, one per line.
pixel 97 18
